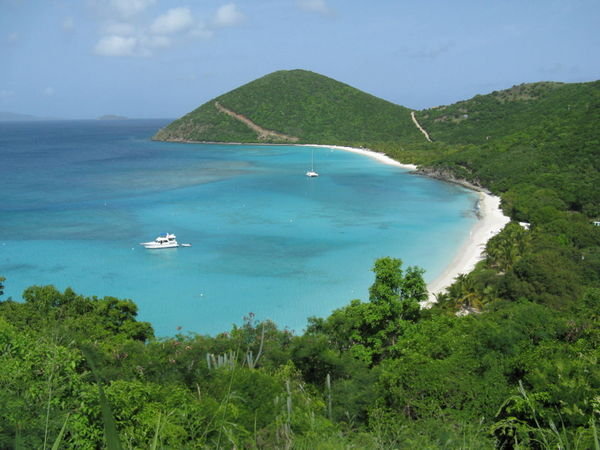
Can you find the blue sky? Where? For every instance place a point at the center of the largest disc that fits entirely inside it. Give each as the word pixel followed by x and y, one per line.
pixel 162 58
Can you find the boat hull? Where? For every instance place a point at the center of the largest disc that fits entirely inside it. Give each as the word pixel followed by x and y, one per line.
pixel 155 246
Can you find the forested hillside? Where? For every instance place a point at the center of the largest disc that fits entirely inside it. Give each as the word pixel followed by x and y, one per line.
pixel 521 370
pixel 542 134
pixel 303 104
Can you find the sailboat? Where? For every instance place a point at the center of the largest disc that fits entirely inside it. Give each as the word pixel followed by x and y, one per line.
pixel 311 173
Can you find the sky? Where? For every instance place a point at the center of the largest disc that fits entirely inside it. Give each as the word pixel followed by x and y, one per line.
pixel 81 59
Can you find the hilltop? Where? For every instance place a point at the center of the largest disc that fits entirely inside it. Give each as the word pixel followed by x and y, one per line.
pixel 294 106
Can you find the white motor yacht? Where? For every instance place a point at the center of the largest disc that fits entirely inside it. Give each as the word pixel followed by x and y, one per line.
pixel 166 240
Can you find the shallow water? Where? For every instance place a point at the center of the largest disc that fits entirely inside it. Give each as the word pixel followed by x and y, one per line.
pixel 79 196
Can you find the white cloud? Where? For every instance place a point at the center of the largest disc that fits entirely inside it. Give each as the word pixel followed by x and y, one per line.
pixel 173 21
pixel 139 45
pixel 129 8
pixel 317 6
pixel 48 91
pixel 115 45
pixel 228 16
pixel 136 36
pixel 13 37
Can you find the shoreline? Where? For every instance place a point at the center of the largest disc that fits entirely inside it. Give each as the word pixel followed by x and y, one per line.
pixel 490 222
pixel 381 157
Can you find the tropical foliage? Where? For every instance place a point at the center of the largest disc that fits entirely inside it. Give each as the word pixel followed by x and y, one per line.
pixel 393 377
pixel 538 142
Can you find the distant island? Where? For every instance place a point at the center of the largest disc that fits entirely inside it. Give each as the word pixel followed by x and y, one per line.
pixel 16 117
pixel 111 117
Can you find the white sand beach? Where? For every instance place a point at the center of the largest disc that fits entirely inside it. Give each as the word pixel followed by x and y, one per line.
pixel 382 157
pixel 491 221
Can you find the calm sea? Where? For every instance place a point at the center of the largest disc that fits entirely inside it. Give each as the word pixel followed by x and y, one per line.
pixel 78 197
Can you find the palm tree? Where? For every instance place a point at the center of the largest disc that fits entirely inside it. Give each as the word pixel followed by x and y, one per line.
pixel 464 293
pixel 507 248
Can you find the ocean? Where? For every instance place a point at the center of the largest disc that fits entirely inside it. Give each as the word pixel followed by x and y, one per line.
pixel 79 196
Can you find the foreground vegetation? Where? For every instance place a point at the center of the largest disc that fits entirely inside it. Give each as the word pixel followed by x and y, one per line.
pixel 376 374
pixel 521 371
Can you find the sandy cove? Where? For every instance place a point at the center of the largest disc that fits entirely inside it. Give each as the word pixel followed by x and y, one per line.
pixel 381 157
pixel 491 221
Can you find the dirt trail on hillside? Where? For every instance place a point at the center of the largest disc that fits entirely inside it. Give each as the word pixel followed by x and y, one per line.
pixel 263 133
pixel 412 114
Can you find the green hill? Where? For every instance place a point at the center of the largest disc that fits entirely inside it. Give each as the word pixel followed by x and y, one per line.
pixel 541 134
pixel 494 116
pixel 304 106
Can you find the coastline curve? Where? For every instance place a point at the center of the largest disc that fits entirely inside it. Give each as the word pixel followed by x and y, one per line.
pixel 491 220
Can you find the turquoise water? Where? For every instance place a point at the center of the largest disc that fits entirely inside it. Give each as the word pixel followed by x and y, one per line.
pixel 78 197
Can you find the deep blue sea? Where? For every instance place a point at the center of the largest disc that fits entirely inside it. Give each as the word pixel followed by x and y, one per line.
pixel 78 197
